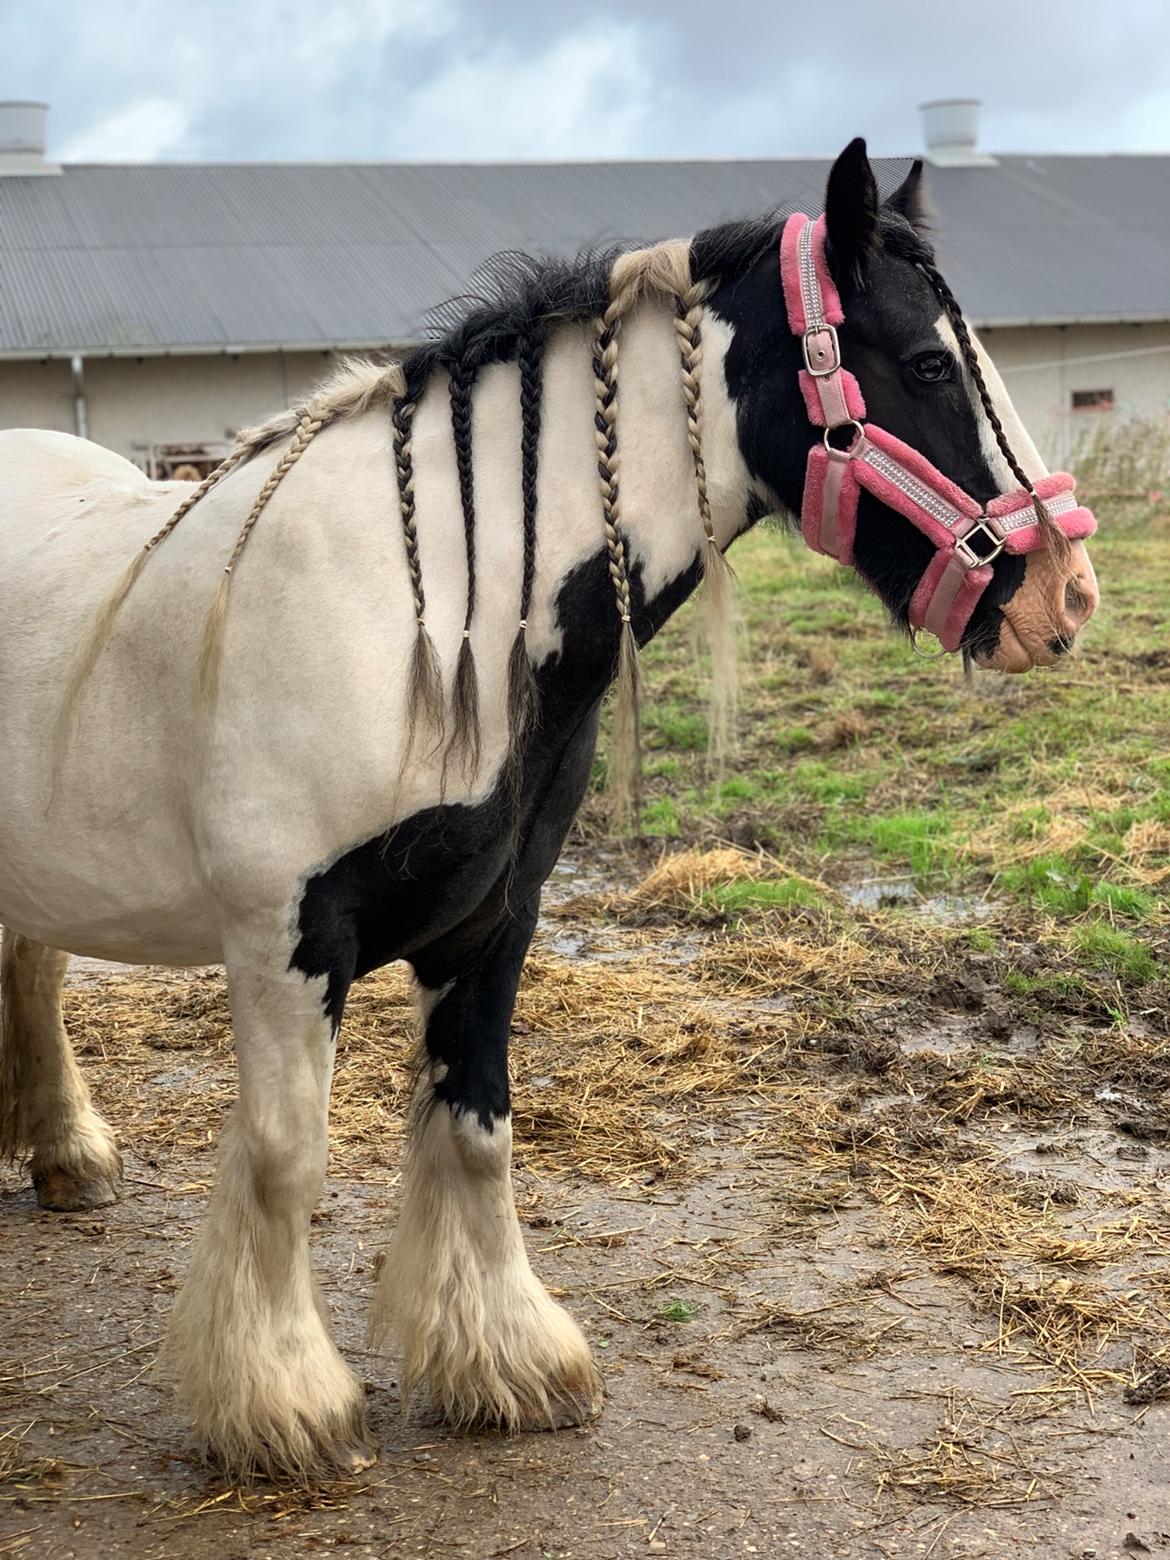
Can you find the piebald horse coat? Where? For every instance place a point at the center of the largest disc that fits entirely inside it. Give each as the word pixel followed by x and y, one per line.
pixel 301 822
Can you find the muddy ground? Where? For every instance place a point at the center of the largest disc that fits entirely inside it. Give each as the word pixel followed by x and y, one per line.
pixel 907 1327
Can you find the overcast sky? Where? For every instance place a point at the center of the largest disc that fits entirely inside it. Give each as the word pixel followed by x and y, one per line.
pixel 129 80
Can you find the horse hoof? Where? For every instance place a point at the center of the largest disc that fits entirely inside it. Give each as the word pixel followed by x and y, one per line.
pixel 568 1410
pixel 359 1458
pixel 63 1191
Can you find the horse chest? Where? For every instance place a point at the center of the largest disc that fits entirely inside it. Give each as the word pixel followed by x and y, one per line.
pixel 432 888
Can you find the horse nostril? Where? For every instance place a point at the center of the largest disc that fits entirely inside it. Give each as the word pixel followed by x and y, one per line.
pixel 1076 603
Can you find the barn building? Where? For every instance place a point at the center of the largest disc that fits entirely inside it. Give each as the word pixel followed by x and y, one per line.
pixel 158 308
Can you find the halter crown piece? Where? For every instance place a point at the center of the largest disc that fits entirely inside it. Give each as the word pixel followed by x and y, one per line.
pixel 967 537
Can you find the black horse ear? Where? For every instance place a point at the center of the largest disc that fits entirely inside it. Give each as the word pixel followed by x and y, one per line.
pixel 909 199
pixel 851 212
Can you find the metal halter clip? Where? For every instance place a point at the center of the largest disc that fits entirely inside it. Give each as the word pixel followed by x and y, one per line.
pixel 822 330
pixel 990 533
pixel 857 439
pixel 927 655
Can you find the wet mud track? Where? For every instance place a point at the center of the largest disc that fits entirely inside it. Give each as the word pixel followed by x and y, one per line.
pixel 806 1349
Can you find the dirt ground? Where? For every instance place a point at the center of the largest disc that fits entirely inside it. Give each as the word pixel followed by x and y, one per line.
pixel 873 1262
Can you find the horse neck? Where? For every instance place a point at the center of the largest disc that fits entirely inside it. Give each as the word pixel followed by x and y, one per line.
pixel 658 514
pixel 668 457
pixel 573 617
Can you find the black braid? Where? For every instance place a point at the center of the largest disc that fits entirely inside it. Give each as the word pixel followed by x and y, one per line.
pixel 1054 536
pixel 522 690
pixel 426 685
pixel 462 382
pixel 465 734
pixel 531 357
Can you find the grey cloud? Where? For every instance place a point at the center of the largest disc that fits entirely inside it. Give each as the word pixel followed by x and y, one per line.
pixel 658 78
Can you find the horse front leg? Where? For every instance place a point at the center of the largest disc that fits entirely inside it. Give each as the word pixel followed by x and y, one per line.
pixel 475 1326
pixel 249 1344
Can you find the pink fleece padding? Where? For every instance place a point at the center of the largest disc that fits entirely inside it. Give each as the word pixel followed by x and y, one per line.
pixel 830 297
pixel 854 401
pixel 1047 487
pixel 894 498
pixel 790 272
pixel 813 506
pixel 918 466
pixel 1076 525
pixel 966 599
pixel 958 610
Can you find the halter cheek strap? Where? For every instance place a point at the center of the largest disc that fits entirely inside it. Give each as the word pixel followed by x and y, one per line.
pixel 967 537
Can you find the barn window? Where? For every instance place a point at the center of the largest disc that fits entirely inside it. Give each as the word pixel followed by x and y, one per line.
pixel 1092 400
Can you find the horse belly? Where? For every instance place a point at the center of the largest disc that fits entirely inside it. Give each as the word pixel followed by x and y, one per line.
pixel 96 854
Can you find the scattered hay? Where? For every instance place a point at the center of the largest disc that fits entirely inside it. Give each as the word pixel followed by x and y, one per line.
pixel 790 1040
pixel 974 1460
pixel 1145 840
pixel 681 879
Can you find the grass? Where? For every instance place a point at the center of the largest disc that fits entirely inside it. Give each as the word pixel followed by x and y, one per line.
pixel 679 1311
pixel 768 894
pixel 1049 793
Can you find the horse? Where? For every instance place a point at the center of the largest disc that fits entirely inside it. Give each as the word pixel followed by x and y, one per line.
pixel 359 731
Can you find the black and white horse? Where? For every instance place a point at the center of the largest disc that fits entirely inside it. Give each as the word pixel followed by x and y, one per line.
pixel 358 731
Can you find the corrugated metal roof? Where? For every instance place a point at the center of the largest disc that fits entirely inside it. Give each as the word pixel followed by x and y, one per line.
pixel 174 257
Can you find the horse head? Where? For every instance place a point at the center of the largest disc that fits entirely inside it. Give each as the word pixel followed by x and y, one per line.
pixel 907 459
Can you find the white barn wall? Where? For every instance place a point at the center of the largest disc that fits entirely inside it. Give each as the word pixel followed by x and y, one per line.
pixel 135 402
pixel 1041 367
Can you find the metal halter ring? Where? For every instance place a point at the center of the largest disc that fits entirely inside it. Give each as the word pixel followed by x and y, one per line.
pixel 927 655
pixel 854 444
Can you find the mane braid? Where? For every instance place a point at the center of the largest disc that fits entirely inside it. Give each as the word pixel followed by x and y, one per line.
pixel 1054 537
pixel 465 733
pixel 104 626
pixel 718 592
pixel 522 690
pixel 626 761
pixel 309 426
pixel 426 685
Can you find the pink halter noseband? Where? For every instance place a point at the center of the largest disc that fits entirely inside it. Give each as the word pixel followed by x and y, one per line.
pixel 967 537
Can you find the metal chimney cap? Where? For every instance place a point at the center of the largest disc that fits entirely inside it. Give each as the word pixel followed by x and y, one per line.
pixel 22 137
pixel 950 129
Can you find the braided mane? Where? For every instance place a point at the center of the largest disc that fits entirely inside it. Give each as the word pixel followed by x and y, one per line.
pixel 526 298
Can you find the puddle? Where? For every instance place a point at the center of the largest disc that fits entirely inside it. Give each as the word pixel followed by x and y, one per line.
pixel 894 893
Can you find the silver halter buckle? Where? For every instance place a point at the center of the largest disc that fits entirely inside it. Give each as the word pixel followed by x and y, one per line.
pixel 823 371
pixel 989 531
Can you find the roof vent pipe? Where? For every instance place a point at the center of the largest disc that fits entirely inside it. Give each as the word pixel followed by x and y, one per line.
pixel 950 128
pixel 22 138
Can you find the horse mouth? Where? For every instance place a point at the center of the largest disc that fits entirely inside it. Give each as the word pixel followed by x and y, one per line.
pixel 1016 652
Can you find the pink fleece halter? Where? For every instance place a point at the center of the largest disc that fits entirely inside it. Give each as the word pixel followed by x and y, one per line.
pixel 967 538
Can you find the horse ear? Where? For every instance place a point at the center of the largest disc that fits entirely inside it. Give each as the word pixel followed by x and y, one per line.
pixel 851 212
pixel 909 199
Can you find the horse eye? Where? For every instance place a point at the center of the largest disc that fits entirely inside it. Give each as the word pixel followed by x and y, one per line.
pixel 932 367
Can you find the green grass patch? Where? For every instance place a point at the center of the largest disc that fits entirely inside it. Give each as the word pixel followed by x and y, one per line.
pixel 856 759
pixel 1059 886
pixel 672 724
pixel 1110 948
pixel 1053 983
pixel 766 894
